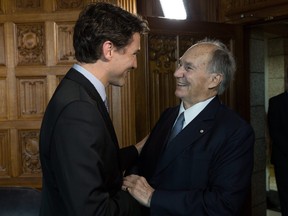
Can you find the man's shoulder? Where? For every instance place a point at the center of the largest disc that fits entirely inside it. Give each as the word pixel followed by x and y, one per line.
pixel 278 97
pixel 228 116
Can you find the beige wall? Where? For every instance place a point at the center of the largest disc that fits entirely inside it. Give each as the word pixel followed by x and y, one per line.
pixel 277 58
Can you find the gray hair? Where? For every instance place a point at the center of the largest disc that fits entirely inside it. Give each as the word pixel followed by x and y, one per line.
pixel 222 62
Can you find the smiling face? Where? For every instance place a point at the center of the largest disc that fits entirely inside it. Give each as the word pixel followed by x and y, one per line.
pixel 193 82
pixel 123 61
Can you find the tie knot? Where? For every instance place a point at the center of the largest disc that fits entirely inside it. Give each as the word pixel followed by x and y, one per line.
pixel 181 118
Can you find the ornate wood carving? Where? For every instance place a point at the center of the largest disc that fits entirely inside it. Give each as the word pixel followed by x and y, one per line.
pixel 163 55
pixel 65 43
pixel 29 144
pixel 2 47
pixel 28 4
pixel 109 1
pixel 241 11
pixel 4 153
pixel 3 101
pixel 30 43
pixel 69 4
pixel 32 97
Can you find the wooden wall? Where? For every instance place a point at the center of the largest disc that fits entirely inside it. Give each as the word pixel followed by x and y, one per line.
pixel 35 53
pixel 252 11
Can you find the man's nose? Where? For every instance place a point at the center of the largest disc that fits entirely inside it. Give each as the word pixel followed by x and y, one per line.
pixel 179 72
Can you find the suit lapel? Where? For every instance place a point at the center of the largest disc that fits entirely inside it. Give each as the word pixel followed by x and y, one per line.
pixel 197 128
pixel 88 86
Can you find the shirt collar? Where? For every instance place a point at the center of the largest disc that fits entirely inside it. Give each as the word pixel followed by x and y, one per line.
pixel 193 111
pixel 96 82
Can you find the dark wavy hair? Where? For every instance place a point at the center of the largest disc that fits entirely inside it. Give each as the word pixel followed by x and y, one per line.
pixel 100 22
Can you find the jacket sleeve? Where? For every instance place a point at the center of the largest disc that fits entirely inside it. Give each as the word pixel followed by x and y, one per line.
pixel 128 157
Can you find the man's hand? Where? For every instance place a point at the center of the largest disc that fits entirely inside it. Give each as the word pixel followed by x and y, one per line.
pixel 139 188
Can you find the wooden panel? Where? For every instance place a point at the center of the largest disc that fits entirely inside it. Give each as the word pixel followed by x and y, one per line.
pixel 1 6
pixel 69 5
pixel 4 154
pixel 3 101
pixel 31 97
pixel 239 11
pixel 2 48
pixel 237 5
pixel 64 45
pixel 30 43
pixel 121 109
pixel 29 153
pixel 21 5
pixel 163 56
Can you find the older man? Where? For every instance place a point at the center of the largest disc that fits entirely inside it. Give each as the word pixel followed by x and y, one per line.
pixel 206 168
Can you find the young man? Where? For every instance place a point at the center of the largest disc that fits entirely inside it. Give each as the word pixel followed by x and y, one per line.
pixel 206 168
pixel 81 161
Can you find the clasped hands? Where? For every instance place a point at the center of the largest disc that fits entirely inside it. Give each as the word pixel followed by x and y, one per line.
pixel 139 188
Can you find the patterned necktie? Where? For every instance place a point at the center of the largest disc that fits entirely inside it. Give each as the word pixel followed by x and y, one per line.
pixel 177 127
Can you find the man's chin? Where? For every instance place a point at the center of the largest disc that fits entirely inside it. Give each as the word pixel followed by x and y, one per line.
pixel 119 83
pixel 178 94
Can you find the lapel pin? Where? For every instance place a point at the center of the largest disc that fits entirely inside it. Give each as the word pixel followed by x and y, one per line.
pixel 201 131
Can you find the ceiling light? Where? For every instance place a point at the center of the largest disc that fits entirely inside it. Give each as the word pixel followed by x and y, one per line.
pixel 173 9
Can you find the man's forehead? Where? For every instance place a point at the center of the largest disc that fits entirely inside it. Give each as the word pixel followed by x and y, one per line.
pixel 201 50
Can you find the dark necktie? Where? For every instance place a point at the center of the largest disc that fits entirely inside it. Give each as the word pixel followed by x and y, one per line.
pixel 177 127
pixel 106 104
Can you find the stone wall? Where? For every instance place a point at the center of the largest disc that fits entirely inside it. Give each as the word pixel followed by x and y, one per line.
pixel 257 103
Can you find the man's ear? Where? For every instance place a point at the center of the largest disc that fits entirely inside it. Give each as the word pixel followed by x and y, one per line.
pixel 107 49
pixel 216 79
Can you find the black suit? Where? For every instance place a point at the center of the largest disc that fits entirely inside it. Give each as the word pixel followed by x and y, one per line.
pixel 278 128
pixel 207 167
pixel 81 161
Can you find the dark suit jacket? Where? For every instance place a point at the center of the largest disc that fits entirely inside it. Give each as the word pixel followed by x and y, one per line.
pixel 278 127
pixel 81 161
pixel 207 167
